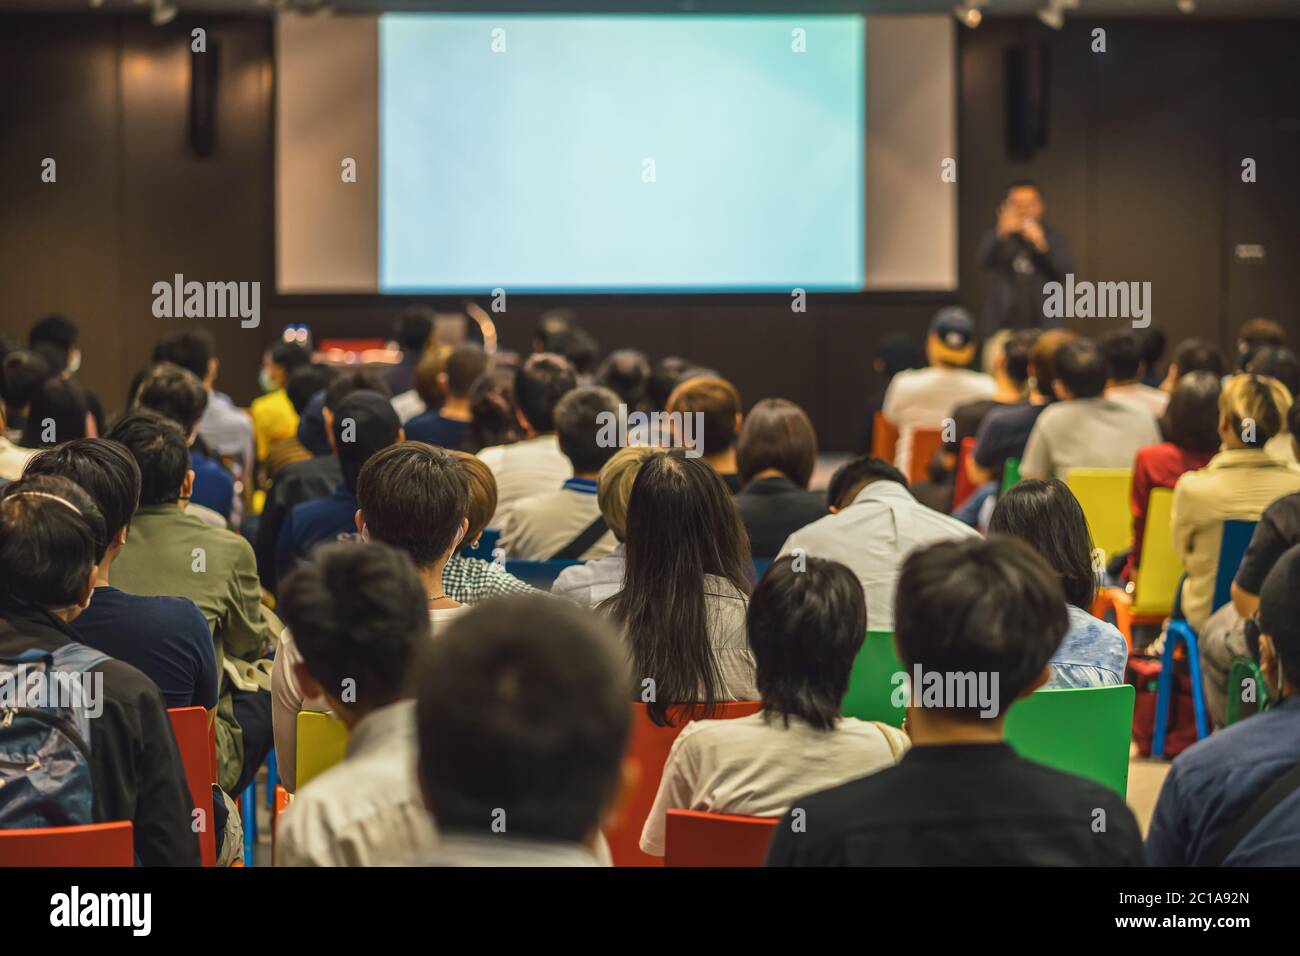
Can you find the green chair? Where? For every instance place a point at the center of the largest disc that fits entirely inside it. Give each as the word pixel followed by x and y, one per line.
pixel 1010 474
pixel 1103 494
pixel 871 684
pixel 1239 708
pixel 1084 731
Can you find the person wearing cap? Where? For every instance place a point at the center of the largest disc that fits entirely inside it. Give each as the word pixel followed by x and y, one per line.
pixel 924 398
pixel 362 424
pixel 1021 254
pixel 1215 788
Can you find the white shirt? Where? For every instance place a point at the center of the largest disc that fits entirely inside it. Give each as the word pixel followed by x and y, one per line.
pixel 759 767
pixel 589 584
pixel 287 697
pixel 503 850
pixel 227 431
pixel 13 459
pixel 530 467
pixel 924 397
pixel 1150 400
pixel 539 526
pixel 872 536
pixel 366 810
pixel 408 404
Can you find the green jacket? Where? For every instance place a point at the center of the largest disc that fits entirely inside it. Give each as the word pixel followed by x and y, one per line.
pixel 170 552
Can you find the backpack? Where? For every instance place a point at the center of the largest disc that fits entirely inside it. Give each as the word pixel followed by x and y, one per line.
pixel 47 701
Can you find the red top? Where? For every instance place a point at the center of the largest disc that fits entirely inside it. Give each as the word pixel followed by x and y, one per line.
pixel 1157 466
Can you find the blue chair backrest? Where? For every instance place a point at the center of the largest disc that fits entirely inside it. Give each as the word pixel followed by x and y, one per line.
pixel 486 542
pixel 760 567
pixel 1236 538
pixel 540 574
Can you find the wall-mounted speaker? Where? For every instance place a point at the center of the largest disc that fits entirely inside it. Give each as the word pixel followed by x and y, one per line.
pixel 203 99
pixel 1028 78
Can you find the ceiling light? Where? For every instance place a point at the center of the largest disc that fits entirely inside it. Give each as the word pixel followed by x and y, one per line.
pixel 968 14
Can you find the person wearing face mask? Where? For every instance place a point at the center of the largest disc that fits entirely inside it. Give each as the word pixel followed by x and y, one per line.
pixel 1233 799
pixel 52 538
pixel 55 339
pixel 410 496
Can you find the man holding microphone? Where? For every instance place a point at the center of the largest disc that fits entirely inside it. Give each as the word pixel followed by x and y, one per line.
pixel 1023 255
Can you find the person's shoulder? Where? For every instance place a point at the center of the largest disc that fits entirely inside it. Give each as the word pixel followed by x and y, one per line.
pixel 1283 510
pixel 128 685
pixel 1070 790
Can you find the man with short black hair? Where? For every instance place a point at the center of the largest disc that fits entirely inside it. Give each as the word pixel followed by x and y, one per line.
pixel 541 685
pixel 1085 429
pixel 566 522
pixel 21 377
pixel 224 428
pixel 981 614
pixel 167 638
pixel 1123 353
pixel 874 523
pixel 357 616
pixel 50 534
pixel 1231 799
pixel 171 552
pixel 55 337
pixel 536 464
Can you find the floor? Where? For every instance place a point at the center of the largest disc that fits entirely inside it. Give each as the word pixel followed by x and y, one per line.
pixel 1145 777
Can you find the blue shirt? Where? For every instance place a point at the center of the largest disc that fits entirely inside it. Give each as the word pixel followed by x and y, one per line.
pixel 166 638
pixel 1092 653
pixel 312 522
pixel 433 428
pixel 1213 783
pixel 213 486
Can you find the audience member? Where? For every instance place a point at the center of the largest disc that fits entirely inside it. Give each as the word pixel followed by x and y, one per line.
pixel 21 377
pixel 448 424
pixel 1193 355
pixel 566 523
pixel 715 404
pixel 924 398
pixel 494 416
pixel 1278 531
pixel 12 457
pixel 1122 351
pixel 274 418
pixel 775 455
pixel 58 412
pixel 1279 363
pixel 50 534
pixel 873 524
pixel 412 330
pixel 685 588
pixel 535 464
pixel 895 354
pixel 166 638
pixel 55 337
pixel 980 609
pixel 626 372
pixel 542 686
pixel 666 375
pixel 1047 516
pixel 1085 429
pixel 1257 334
pixel 1151 348
pixel 471 580
pixel 806 625
pixel 1238 483
pixel 357 617
pixel 1230 800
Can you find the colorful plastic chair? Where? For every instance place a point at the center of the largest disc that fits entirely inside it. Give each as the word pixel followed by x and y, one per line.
pixel 694 838
pixel 1159 571
pixel 872 684
pixel 925 443
pixel 96 844
pixel 1242 670
pixel 193 731
pixel 1010 475
pixel 963 488
pixel 1103 494
pixel 884 439
pixel 1084 731
pixel 322 742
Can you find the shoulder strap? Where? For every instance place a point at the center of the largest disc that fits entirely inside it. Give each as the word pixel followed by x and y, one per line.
pixel 579 545
pixel 1227 841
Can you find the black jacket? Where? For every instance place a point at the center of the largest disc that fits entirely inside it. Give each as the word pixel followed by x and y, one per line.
pixel 775 508
pixel 134 762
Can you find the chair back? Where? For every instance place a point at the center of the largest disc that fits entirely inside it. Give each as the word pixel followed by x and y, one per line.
pixel 925 443
pixel 282 799
pixel 649 745
pixel 540 574
pixel 1159 568
pixel 1103 494
pixel 760 567
pixel 884 438
pixel 1084 731
pixel 95 844
pixel 963 488
pixel 195 740
pixel 695 838
pixel 1236 538
pixel 486 542
pixel 322 742
pixel 1010 475
pixel 871 684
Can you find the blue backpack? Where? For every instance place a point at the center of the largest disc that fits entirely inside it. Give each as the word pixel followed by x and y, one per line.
pixel 45 713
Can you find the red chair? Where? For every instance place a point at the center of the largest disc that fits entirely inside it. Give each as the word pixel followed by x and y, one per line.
pixel 196 740
pixel 649 746
pixel 282 800
pixel 96 844
pixel 964 488
pixel 884 439
pixel 694 838
pixel 925 443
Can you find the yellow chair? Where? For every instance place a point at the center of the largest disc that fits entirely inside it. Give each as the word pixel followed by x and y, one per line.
pixel 1103 493
pixel 322 742
pixel 1159 570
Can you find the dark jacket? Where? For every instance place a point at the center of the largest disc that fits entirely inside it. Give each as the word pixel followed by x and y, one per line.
pixel 1017 274
pixel 775 508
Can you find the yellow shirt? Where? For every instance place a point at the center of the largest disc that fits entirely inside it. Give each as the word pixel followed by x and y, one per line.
pixel 273 419
pixel 1237 484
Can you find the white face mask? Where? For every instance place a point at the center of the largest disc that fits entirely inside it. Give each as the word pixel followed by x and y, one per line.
pixel 264 380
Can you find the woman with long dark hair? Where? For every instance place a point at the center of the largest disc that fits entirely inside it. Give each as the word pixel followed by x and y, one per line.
pixel 1048 516
pixel 685 588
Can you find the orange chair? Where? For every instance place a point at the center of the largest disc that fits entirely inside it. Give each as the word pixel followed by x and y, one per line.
pixel 694 838
pixel 963 489
pixel 649 746
pixel 884 439
pixel 282 800
pixel 925 442
pixel 96 844
pixel 196 741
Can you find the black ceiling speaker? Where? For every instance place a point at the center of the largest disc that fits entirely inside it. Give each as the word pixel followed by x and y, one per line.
pixel 203 99
pixel 1028 78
